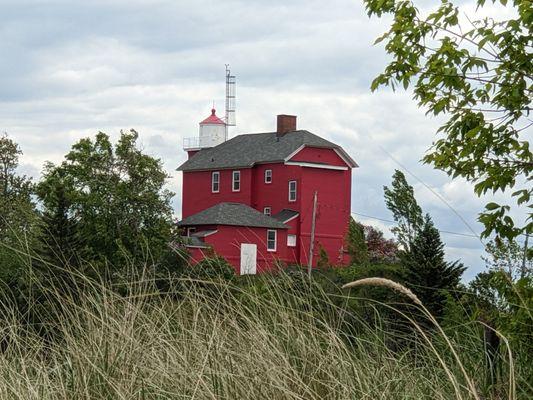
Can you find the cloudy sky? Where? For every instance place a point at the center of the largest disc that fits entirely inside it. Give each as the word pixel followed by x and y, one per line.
pixel 72 68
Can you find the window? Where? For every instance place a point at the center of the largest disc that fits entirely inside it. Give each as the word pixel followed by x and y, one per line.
pixel 190 231
pixel 236 181
pixel 292 190
pixel 268 176
pixel 215 182
pixel 291 240
pixel 271 240
pixel 267 211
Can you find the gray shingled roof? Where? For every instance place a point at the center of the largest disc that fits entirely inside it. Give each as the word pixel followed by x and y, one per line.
pixel 285 215
pixel 236 214
pixel 191 241
pixel 244 151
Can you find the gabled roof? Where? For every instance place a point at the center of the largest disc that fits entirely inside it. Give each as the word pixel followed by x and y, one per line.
pixel 285 215
pixel 235 214
pixel 244 151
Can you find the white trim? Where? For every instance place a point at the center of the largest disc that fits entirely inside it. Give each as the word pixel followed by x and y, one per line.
pixel 291 218
pixel 294 152
pixel 213 181
pixel 267 170
pixel 269 211
pixel 339 150
pixel 312 165
pixel 295 240
pixel 275 239
pixel 346 158
pixel 233 181
pixel 295 191
pixel 190 231
pixel 209 233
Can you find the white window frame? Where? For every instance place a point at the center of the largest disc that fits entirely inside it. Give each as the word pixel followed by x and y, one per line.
pixel 269 240
pixel 217 174
pixel 234 181
pixel 291 243
pixel 190 231
pixel 268 174
pixel 295 191
pixel 267 211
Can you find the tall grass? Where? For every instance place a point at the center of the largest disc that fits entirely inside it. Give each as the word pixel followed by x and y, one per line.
pixel 283 339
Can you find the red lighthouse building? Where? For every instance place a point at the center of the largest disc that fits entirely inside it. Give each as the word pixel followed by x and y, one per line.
pixel 250 199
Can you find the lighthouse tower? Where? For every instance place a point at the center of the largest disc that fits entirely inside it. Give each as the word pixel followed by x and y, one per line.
pixel 212 131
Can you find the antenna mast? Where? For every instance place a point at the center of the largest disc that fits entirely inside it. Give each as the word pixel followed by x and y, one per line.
pixel 230 100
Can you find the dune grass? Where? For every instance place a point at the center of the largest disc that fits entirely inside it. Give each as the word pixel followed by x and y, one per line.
pixel 221 340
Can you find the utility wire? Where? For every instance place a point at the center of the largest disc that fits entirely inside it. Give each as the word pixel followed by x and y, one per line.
pixel 434 192
pixel 393 222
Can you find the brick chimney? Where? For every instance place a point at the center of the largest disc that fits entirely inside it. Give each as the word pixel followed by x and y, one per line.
pixel 286 123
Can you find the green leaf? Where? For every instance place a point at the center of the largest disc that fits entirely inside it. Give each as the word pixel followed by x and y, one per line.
pixel 492 206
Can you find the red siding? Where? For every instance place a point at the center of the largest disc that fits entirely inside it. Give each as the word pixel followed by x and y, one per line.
pixel 318 155
pixel 293 253
pixel 275 194
pixel 197 195
pixel 227 243
pixel 334 203
pixel 333 212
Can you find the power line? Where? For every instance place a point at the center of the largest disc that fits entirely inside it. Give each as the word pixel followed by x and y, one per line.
pixel 441 231
pixel 393 222
pixel 432 191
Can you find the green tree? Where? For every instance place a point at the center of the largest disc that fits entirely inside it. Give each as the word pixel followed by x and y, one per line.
pixel 323 259
pixel 16 205
pixel 18 216
pixel 506 306
pixel 508 256
pixel 380 250
pixel 400 200
pixel 356 241
pixel 61 244
pixel 430 277
pixel 116 196
pixel 479 74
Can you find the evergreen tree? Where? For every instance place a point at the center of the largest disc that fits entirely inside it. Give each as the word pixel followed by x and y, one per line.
pixel 61 243
pixel 427 273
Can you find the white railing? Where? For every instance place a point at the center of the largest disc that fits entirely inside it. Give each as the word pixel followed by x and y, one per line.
pixel 200 142
pixel 191 143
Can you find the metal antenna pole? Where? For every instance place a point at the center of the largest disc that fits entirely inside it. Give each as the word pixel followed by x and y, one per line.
pixel 229 118
pixel 226 116
pixel 312 246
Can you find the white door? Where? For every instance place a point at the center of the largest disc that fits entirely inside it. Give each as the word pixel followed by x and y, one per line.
pixel 248 259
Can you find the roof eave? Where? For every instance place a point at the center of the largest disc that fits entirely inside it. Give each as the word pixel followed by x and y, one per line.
pixel 346 157
pixel 214 168
pixel 282 226
pixel 337 149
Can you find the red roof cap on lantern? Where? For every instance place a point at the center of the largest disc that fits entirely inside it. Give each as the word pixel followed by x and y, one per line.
pixel 212 119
